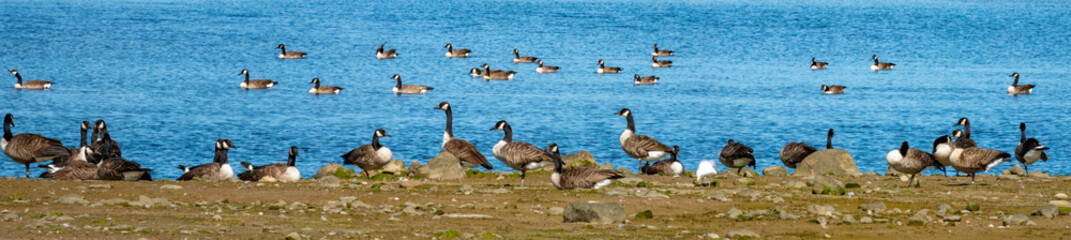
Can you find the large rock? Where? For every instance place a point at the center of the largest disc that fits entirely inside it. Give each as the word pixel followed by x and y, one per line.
pixel 742 233
pixel 328 170
pixel 744 172
pixel 827 161
pixel 603 213
pixel 1014 170
pixel 581 158
pixel 396 167
pixel 827 185
pixel 443 167
pixel 414 168
pixel 1049 211
pixel 1017 219
pixel 775 171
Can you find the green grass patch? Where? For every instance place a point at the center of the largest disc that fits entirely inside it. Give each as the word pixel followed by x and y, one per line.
pixel 439 212
pixel 490 235
pixel 16 197
pixel 973 207
pixel 852 185
pixel 647 214
pixel 644 185
pixel 447 234
pixel 345 173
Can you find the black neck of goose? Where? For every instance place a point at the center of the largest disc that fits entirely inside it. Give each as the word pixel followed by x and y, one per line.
pixel 1022 133
pixel 316 84
pixel 7 130
pixel 967 130
pixel 221 156
pixel 487 70
pixel 903 150
pixel 656 47
pixel 875 61
pixel 507 135
pixel 602 65
pixel 375 142
pixel 93 136
pixel 380 49
pixel 631 124
pixel 557 163
pixel 829 141
pixel 247 77
pixel 83 135
pixel 291 160
pixel 399 82
pixel 813 61
pixel 1016 83
pixel 449 48
pixel 283 48
pixel 516 54
pixel 19 76
pixel 449 122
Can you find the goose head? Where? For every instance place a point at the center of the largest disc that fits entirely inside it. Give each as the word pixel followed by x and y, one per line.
pixel 825 87
pixel 100 125
pixel 244 71
pixel 676 151
pixel 875 57
pixel 501 125
pixel 540 62
pixel 396 77
pixel 903 148
pixel 625 112
pixel 280 46
pixel 448 46
pixel 957 133
pixel 515 51
pixel 9 120
pixel 382 133
pixel 315 81
pixel 1015 74
pixel 13 71
pixel 600 62
pixel 485 66
pixel 962 122
pixel 85 125
pixel 225 144
pixel 443 106
pixel 293 151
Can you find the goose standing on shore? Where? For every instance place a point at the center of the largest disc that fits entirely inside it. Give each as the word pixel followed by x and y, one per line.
pixel 520 156
pixel 283 172
pixel 467 153
pixel 833 89
pixel 794 152
pixel 545 68
pixel 577 177
pixel 370 156
pixel 816 65
pixel 878 66
pixel 655 63
pixel 30 85
pixel 256 83
pixel 737 155
pixel 661 52
pixel 603 69
pixel 517 58
pixel 318 89
pixel 408 88
pixel 942 150
pixel 27 148
pixel 974 159
pixel 668 167
pixel 648 80
pixel 389 54
pixel 219 169
pixel 912 161
pixel 290 54
pixel 1029 149
pixel 103 146
pixel 1016 89
pixel 640 147
pixel 456 53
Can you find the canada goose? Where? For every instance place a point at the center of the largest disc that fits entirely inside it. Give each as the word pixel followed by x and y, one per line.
pixel 480 73
pixel 476 73
pixel 829 139
pixel 520 156
pixel 878 66
pixel 706 167
pixel 389 54
pixel 911 161
pixel 1016 89
pixel 794 152
pixel 974 159
pixel 284 172
pixel 499 75
pixel 456 53
pixel 834 89
pixel 370 156
pixel 577 177
pixel 256 83
pixel 655 63
pixel 325 89
pixel 103 146
pixel 942 150
pixel 29 85
pixel 963 138
pixel 517 58
pixel 661 53
pixel 408 88
pixel 816 65
pixel 290 54
pixel 669 167
pixel 545 68
pixel 467 153
pixel 603 69
pixel 27 148
pixel 219 169
pixel 640 147
pixel 736 155
pixel 1029 149
pixel 648 80
pixel 116 169
pixel 76 153
pixel 75 167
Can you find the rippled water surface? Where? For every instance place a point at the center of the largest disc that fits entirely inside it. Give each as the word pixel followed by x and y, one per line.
pixel 164 74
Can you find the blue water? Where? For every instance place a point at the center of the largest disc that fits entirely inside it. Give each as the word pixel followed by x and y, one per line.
pixel 164 74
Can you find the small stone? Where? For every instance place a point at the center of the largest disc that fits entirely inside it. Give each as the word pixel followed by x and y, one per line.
pixel 444 166
pixel 170 187
pixel 920 218
pixel 500 191
pixel 1017 219
pixel 1038 174
pixel 712 236
pixel 606 166
pixel 742 233
pixel 1014 170
pixel 217 217
pixel 1061 196
pixel 1060 203
pixel 944 209
pixel 1049 211
pixel 873 207
pixel 470 216
pixel 827 185
pixel 1008 177
pixel 775 171
pixel 820 210
pixel 822 222
pixel 293 236
pixel 866 220
pixel 100 186
pixel 953 218
pixel 744 181
pixel 603 213
pixel 748 193
pixel 10 216
pixel 555 211
pixel 409 183
pixel 329 181
pixel 785 215
pixel 795 185
pixel 72 199
pixel 744 172
pixel 328 170
pixel 396 167
pixel 849 219
pixel 734 213
pixel 414 168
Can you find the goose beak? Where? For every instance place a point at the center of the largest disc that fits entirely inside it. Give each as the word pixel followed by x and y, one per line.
pixel 386 135
pixel 1043 148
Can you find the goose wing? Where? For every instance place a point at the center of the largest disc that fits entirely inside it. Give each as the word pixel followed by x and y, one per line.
pixel 200 171
pixel 34 147
pixel 794 153
pixel 981 157
pixel 583 177
pixel 639 145
pixel 522 153
pixel 736 150
pixel 467 152
pixel 414 87
pixel 76 170
pixel 259 172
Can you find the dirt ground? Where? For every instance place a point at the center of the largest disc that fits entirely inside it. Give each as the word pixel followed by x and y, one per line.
pixel 772 207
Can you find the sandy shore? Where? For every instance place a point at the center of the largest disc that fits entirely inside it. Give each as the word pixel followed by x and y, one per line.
pixel 489 205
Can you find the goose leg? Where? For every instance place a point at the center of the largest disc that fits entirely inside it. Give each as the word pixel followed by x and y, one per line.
pixel 911 180
pixel 27 170
pixel 522 177
pixel 738 170
pixel 972 178
pixel 367 176
pixel 944 171
pixel 1026 169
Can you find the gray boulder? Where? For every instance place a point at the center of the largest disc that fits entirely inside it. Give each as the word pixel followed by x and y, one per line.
pixel 584 157
pixel 1016 170
pixel 414 168
pixel 396 167
pixel 328 170
pixel 742 233
pixel 827 161
pixel 602 213
pixel 443 167
pixel 775 171
pixel 873 207
pixel 1049 211
pixel 826 185
pixel 1017 219
pixel 745 172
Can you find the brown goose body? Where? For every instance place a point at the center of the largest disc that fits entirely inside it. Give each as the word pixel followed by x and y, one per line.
pixel 318 89
pixel 408 88
pixel 517 58
pixel 27 148
pixel 1016 89
pixel 389 54
pixel 973 160
pixel 494 74
pixel 736 155
pixel 577 177
pixel 640 147
pixel 910 161
pixel 520 156
pixel 1029 150
pixel 255 83
pixel 603 69
pixel 372 156
pixel 289 54
pixel 655 63
pixel 219 169
pixel 456 53
pixel 284 172
pixel 816 65
pixel 833 89
pixel 76 170
pixel 466 153
pixel 880 66
pixel 661 52
pixel 648 80
pixel 668 167
pixel 794 152
pixel 117 169
pixel 30 85
pixel 545 68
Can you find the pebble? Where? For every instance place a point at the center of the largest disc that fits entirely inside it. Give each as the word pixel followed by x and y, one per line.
pixel 953 218
pixel 462 215
pixel 734 213
pixel 217 217
pixel 1061 196
pixel 100 186
pixel 556 210
pixel 1060 203
pixel 170 187
pixel 712 236
pixel 72 199
pixel 866 220
pixel 849 219
pixel 742 233
pixel 1017 219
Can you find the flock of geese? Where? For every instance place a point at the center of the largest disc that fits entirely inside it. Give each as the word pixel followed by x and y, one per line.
pixel 98 157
